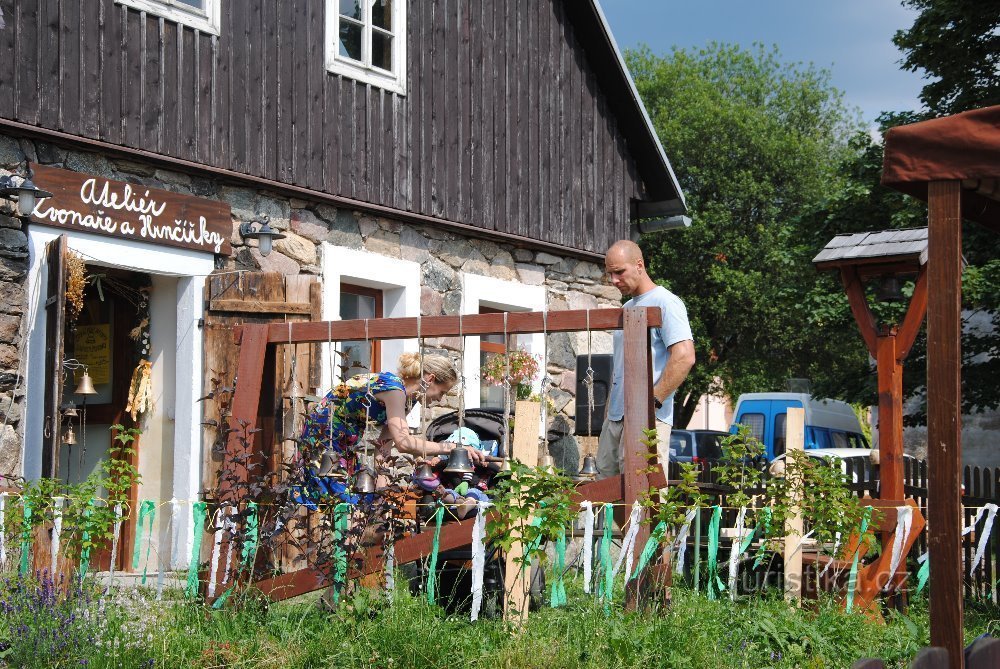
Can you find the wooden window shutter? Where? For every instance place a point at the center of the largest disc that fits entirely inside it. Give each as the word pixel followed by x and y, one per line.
pixel 55 326
pixel 258 297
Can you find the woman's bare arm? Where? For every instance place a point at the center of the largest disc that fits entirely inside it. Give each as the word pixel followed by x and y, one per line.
pixel 399 431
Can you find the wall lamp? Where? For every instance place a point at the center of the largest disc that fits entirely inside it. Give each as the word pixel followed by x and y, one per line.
pixel 264 234
pixel 662 224
pixel 26 194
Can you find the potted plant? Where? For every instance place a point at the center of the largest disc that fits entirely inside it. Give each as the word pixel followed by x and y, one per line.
pixel 520 368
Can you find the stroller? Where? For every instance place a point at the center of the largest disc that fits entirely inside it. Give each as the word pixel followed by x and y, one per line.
pixel 454 575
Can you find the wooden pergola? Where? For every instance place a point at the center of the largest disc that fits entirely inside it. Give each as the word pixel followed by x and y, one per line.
pixel 954 164
pixel 258 345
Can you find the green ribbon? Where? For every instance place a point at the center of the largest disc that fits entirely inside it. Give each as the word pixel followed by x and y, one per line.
pixel 923 574
pixel 715 584
pixel 558 596
pixel 650 548
pixel 341 514
pixel 609 521
pixel 26 540
pixel 251 535
pixel 198 511
pixel 432 565
pixel 85 541
pixel 765 528
pixel 147 510
pixel 852 579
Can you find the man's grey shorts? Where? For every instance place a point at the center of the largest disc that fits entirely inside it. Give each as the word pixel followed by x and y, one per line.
pixel 611 455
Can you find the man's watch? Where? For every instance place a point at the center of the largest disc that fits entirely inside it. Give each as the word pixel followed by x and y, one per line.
pixel 657 402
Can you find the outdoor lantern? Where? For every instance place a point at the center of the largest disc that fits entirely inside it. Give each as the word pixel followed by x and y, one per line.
pixel 27 194
pixel 265 235
pixel 86 385
pixel 459 461
pixel 889 289
pixel 70 437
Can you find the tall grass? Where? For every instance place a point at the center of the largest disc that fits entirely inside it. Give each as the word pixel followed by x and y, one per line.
pixel 367 632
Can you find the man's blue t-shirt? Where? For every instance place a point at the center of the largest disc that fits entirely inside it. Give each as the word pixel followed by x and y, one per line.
pixel 675 328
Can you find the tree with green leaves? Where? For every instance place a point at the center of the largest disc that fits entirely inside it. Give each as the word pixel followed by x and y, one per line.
pixel 957 43
pixel 758 146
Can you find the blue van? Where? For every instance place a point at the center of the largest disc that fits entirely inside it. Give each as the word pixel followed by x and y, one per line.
pixel 829 423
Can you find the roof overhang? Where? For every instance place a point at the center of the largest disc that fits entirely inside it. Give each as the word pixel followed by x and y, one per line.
pixel 594 33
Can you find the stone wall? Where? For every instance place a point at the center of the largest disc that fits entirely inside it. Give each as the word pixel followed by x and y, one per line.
pixel 442 254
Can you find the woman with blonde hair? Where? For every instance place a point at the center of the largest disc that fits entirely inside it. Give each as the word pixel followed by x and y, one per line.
pixel 338 422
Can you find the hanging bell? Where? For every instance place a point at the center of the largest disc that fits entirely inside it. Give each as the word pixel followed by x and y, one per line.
pixel 293 388
pixel 86 385
pixel 589 470
pixel 364 482
pixel 70 411
pixel 547 462
pixel 69 439
pixel 459 461
pixel 424 472
pixel 505 467
pixel 326 463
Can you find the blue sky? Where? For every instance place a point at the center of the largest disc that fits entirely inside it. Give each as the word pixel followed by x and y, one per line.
pixel 851 38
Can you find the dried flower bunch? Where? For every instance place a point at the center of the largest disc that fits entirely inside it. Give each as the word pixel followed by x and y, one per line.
pixel 523 368
pixel 76 282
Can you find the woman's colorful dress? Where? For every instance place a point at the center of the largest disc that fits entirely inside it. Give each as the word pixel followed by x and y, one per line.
pixel 337 424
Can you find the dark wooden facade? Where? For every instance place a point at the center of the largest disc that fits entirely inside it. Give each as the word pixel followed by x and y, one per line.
pixel 511 122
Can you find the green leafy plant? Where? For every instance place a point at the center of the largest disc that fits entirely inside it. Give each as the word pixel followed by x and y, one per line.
pixel 740 466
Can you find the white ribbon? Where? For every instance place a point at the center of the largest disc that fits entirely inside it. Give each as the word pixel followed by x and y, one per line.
pixel 229 525
pixel 57 518
pixel 3 533
pixel 478 557
pixel 735 552
pixel 975 521
pixel 216 550
pixel 628 542
pixel 390 567
pixel 984 536
pixel 833 556
pixel 115 538
pixel 680 543
pixel 175 528
pixel 588 543
pixel 904 519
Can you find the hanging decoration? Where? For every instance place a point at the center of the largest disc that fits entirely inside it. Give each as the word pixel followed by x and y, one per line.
pixel 432 563
pixel 715 585
pixel 984 535
pixel 558 595
pixel 655 537
pixel 115 538
pixel 852 578
pixel 736 551
pixel 478 557
pixel 588 544
pixel 199 511
pixel 681 542
pixel 147 514
pixel 924 572
pixel 628 541
pixel 904 519
pixel 85 536
pixel 140 390
pixel 341 515
pixel 57 520
pixel 609 576
pixel 76 283
pixel 217 522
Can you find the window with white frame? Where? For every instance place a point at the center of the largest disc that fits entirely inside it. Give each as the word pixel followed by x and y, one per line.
pixel 201 14
pixel 366 40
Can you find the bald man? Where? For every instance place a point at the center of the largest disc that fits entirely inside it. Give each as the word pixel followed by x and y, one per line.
pixel 672 351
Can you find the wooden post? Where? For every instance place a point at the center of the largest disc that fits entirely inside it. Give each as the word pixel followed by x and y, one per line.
pixel 638 379
pixel 944 411
pixel 524 449
pixel 795 441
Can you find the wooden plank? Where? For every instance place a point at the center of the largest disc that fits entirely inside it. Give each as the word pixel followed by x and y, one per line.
pixel 914 318
pixel 859 307
pixel 55 326
pixel 260 307
pixel 944 404
pixel 49 72
pixel 300 110
pixel 222 91
pixel 517 579
pixel 267 42
pixel 133 24
pixel 476 324
pixel 794 441
pixel 8 61
pixel 890 416
pixel 87 117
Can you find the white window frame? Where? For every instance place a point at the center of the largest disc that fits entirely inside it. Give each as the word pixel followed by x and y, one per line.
pixel 399 281
pixel 485 291
pixel 208 21
pixel 364 71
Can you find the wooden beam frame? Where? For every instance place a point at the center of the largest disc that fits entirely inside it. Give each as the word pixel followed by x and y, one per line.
pixel 257 343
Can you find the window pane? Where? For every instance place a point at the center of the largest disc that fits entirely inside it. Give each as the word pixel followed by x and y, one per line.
pixel 351 8
pixel 198 4
pixel 357 355
pixel 779 433
pixel 490 396
pixel 382 50
pixel 755 421
pixel 350 39
pixel 680 444
pixel 381 14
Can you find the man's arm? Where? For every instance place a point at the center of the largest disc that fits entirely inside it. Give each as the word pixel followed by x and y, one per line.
pixel 676 370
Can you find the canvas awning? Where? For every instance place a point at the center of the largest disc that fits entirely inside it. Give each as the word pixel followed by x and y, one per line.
pixel 964 147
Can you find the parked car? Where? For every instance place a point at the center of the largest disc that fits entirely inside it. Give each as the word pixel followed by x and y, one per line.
pixel 855 463
pixel 696 445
